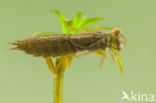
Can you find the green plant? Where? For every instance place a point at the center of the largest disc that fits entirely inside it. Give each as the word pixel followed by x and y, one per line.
pixel 64 62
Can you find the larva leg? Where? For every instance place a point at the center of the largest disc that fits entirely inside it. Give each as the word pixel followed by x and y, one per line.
pixel 50 65
pixel 95 44
pixel 102 59
pixel 72 28
pixel 98 28
pixel 100 52
pixel 78 56
pixel 113 58
pixel 87 29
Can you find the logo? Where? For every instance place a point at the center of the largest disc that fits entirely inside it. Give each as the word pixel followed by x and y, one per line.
pixel 137 97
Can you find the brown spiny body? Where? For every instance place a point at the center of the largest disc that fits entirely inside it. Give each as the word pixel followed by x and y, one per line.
pixel 62 44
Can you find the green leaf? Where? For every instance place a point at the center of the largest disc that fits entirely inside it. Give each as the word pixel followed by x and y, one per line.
pixel 63 21
pixel 92 21
pixel 44 33
pixel 82 22
pixel 77 18
pixel 79 25
pixel 116 53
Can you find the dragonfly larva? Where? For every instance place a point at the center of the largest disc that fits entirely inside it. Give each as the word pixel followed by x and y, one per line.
pixel 64 44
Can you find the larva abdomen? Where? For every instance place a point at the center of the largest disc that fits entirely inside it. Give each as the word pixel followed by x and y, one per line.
pixel 45 45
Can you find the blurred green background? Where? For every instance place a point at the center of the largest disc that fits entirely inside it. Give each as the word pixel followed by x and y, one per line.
pixel 25 79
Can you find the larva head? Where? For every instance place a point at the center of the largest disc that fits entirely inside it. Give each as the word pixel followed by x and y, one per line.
pixel 117 40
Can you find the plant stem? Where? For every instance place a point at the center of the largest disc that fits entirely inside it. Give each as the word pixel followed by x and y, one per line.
pixel 58 83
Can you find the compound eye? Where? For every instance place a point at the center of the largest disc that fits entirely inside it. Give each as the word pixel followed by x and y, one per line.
pixel 117 42
pixel 117 33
